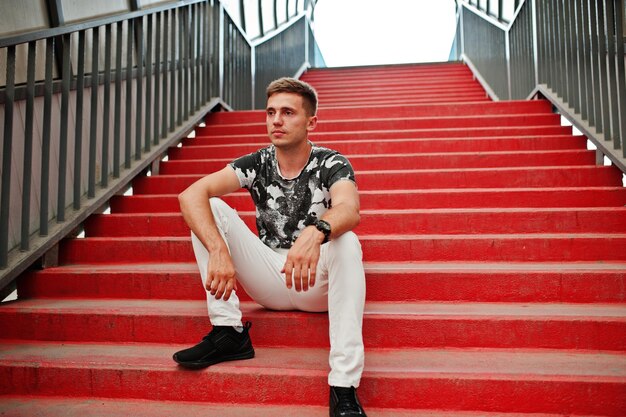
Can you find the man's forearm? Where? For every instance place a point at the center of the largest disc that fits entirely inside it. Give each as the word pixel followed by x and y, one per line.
pixel 197 213
pixel 342 218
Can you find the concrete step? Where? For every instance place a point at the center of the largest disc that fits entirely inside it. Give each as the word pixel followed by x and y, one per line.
pixel 375 111
pixel 435 97
pixel 536 247
pixel 399 123
pixel 415 160
pixel 428 133
pixel 415 199
pixel 29 406
pixel 386 325
pixel 395 123
pixel 416 221
pixel 542 282
pixel 490 380
pixel 233 147
pixel 519 177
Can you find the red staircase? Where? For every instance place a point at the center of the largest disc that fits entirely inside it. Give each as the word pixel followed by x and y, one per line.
pixel 495 255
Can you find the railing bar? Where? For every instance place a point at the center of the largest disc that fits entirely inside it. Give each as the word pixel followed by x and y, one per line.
pixel 7 145
pixel 564 6
pixel 180 68
pixel 139 89
pixel 118 101
pixel 604 88
pixel 221 52
pixel 582 54
pixel 45 141
pixel 611 84
pixel 589 70
pixel 216 71
pixel 574 92
pixel 65 95
pixel 192 54
pixel 551 44
pixel 185 63
pixel 621 81
pixel 539 8
pixel 195 56
pixel 28 145
pixel 129 94
pixel 205 55
pixel 157 78
pixel 172 72
pixel 93 123
pixel 202 49
pixel 148 127
pixel 104 182
pixel 595 65
pixel 165 68
pixel 555 46
pixel 78 123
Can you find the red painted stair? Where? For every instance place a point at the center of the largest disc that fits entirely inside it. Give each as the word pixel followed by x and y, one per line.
pixel 495 254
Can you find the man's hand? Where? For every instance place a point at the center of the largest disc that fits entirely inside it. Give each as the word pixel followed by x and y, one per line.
pixel 301 265
pixel 221 274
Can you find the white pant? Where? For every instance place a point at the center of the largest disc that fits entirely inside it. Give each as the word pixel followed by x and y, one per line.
pixel 339 288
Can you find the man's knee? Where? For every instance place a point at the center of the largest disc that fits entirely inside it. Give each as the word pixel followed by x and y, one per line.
pixel 218 205
pixel 221 213
pixel 346 245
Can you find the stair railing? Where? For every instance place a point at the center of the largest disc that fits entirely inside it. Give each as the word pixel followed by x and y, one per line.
pixel 100 107
pixel 568 51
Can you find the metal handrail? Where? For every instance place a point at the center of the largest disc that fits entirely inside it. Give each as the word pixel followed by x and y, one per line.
pixel 149 78
pixel 570 52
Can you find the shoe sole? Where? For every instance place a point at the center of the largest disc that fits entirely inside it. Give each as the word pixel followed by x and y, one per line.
pixel 204 364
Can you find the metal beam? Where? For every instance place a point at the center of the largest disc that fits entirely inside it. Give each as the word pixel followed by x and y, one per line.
pixel 55 13
pixel 242 15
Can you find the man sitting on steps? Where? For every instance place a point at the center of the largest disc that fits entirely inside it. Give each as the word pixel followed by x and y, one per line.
pixel 305 258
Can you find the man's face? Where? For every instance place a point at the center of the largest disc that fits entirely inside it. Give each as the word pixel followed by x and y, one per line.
pixel 287 122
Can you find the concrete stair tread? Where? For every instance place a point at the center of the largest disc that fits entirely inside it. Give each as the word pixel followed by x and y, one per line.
pixel 261 140
pixel 462 133
pixel 434 154
pixel 530 364
pixel 513 132
pixel 365 110
pixel 407 310
pixel 29 406
pixel 555 197
pixel 388 237
pixel 459 171
pixel 379 267
pixel 409 211
pixel 260 122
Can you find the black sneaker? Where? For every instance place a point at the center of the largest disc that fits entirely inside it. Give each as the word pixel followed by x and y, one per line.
pixel 344 403
pixel 223 343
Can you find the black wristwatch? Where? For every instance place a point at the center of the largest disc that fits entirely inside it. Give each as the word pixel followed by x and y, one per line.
pixel 324 227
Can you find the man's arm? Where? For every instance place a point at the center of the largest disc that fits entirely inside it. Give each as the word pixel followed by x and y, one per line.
pixel 196 210
pixel 303 256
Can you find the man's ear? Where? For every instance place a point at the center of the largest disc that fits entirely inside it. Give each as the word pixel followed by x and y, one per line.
pixel 312 123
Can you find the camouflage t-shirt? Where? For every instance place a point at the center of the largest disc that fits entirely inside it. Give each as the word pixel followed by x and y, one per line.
pixel 286 206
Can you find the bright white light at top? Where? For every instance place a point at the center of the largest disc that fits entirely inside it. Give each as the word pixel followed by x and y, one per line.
pixel 370 32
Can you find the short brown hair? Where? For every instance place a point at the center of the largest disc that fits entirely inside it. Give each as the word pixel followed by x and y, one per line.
pixel 301 88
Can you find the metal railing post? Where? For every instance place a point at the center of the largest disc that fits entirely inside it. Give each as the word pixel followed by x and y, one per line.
pixel 5 191
pixel 28 145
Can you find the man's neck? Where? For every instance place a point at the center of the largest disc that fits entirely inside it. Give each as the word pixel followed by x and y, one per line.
pixel 292 161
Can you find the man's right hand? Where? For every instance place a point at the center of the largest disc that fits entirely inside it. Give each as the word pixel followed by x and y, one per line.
pixel 221 275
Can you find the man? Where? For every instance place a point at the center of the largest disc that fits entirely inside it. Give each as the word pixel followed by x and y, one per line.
pixel 305 257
